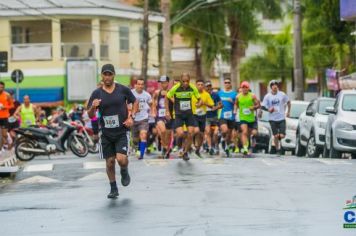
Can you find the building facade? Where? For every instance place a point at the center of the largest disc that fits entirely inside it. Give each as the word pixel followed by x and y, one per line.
pixel 41 37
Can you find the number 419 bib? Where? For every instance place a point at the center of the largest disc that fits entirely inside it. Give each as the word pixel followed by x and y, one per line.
pixel 111 121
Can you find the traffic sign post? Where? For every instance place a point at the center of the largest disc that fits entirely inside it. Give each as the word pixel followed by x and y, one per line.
pixel 17 77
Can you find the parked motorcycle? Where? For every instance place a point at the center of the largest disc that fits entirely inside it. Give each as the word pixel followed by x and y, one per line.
pixel 32 142
pixel 87 135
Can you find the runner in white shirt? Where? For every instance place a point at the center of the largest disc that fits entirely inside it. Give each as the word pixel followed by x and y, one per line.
pixel 141 126
pixel 275 102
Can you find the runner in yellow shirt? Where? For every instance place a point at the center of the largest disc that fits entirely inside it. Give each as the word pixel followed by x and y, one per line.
pixel 199 111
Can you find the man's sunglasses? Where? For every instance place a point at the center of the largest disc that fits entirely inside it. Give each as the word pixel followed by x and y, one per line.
pixel 227 82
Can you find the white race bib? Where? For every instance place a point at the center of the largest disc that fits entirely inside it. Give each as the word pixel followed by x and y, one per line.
pixel 141 106
pixel 161 112
pixel 111 121
pixel 184 105
pixel 28 122
pixel 246 111
pixel 11 119
pixel 227 114
pixel 208 109
pixel 200 111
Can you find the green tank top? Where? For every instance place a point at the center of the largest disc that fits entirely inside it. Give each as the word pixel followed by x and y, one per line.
pixel 27 116
pixel 245 102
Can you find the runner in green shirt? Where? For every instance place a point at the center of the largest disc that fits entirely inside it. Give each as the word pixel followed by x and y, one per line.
pixel 181 95
pixel 247 103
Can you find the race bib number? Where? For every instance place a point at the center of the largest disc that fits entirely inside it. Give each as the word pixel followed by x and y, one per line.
pixel 227 114
pixel 208 109
pixel 246 111
pixel 141 106
pixel 111 121
pixel 200 111
pixel 161 112
pixel 184 105
pixel 28 122
pixel 11 119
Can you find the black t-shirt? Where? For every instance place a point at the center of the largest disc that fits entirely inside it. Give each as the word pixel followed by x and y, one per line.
pixel 113 109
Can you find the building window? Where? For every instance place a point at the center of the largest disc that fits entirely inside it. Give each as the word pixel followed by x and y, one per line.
pixel 17 35
pixel 124 33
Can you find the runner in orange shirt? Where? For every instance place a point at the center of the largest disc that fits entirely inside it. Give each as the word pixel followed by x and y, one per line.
pixel 6 104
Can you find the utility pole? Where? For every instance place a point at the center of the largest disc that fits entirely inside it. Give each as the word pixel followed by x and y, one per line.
pixel 166 59
pixel 145 42
pixel 298 53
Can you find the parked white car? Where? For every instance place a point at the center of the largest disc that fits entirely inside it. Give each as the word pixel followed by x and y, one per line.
pixel 340 135
pixel 311 130
pixel 297 108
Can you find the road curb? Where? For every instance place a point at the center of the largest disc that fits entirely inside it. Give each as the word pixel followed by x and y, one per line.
pixel 8 164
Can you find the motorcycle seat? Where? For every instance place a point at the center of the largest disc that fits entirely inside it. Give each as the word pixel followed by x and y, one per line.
pixel 42 131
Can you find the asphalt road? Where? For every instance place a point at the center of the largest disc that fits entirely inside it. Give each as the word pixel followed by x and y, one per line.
pixel 264 195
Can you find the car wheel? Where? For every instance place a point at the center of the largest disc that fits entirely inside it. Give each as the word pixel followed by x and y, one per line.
pixel 353 155
pixel 299 149
pixel 312 149
pixel 333 153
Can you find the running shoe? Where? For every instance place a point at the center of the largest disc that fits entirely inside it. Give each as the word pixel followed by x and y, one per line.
pixel 227 152
pixel 211 151
pixel 237 150
pixel 245 151
pixel 185 156
pixel 197 152
pixel 114 193
pixel 125 177
pixel 175 149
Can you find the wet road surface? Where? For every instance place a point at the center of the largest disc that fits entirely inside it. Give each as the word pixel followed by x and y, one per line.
pixel 213 196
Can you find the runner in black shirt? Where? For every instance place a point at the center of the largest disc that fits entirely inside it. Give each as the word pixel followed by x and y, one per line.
pixel 112 100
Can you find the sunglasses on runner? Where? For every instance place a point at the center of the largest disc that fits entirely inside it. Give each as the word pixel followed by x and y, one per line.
pixel 227 82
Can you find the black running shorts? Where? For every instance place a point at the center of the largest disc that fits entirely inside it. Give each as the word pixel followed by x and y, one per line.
pixel 201 122
pixel 187 119
pixel 110 146
pixel 278 127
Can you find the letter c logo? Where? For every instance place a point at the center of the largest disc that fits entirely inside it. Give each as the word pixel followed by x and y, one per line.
pixel 349 217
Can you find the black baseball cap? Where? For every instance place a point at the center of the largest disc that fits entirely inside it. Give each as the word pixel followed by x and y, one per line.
pixel 163 78
pixel 108 68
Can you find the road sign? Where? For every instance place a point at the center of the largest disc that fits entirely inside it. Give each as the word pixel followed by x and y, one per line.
pixel 17 76
pixel 3 62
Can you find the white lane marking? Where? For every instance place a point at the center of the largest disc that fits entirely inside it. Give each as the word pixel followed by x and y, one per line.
pixel 272 162
pixel 38 180
pixel 39 167
pixel 95 176
pixel 156 162
pixel 94 165
pixel 214 161
pixel 334 162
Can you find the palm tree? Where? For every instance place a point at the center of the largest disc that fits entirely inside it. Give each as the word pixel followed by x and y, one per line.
pixel 327 41
pixel 276 60
pixel 202 28
pixel 243 25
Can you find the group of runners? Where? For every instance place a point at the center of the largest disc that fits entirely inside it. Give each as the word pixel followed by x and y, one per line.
pixel 187 115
